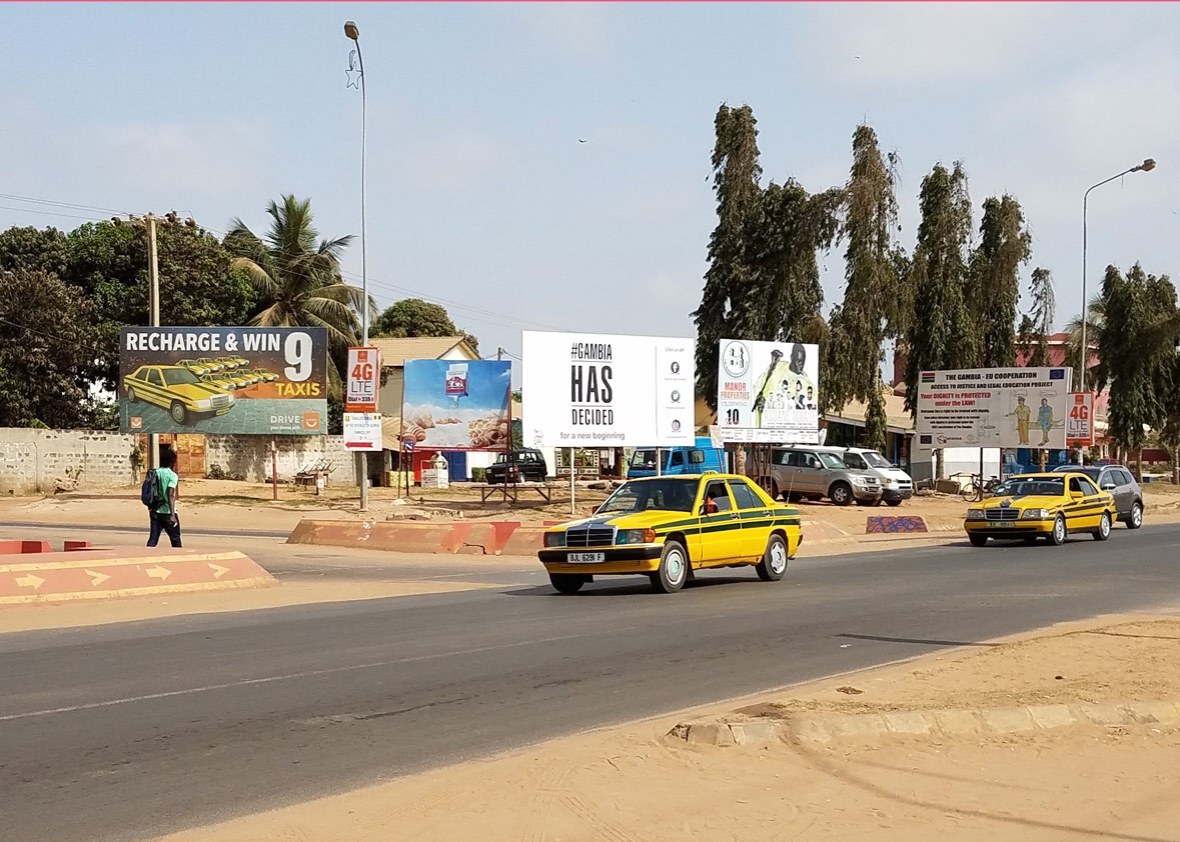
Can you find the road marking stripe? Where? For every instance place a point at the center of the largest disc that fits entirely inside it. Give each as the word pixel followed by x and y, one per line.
pixel 270 679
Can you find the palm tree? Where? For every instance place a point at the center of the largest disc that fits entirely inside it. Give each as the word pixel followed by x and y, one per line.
pixel 298 280
pixel 1097 375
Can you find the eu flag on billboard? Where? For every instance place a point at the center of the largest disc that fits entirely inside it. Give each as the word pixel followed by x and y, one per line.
pixel 1057 374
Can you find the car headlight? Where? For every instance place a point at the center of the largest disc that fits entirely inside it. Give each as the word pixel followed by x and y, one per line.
pixel 1035 514
pixel 636 536
pixel 203 404
pixel 890 482
pixel 554 539
pixel 975 514
pixel 859 481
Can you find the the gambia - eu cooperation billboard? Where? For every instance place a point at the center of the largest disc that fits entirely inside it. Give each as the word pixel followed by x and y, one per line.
pixel 239 380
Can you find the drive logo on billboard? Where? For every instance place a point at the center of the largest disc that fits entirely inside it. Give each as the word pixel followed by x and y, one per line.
pixel 234 380
pixel 599 390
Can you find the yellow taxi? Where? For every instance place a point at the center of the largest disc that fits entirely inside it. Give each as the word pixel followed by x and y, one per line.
pixel 666 527
pixel 178 390
pixel 1050 506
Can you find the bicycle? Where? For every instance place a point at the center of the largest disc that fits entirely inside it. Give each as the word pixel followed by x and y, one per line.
pixel 975 490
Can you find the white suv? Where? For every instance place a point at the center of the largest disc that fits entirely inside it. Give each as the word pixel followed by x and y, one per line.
pixel 896 484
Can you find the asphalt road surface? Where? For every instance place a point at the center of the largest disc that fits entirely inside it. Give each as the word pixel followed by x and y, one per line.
pixel 129 731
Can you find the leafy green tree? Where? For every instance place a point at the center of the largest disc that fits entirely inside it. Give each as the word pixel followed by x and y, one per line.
pixel 1097 373
pixel 942 332
pixel 198 285
pixel 731 273
pixel 415 317
pixel 869 311
pixel 47 349
pixel 994 290
pixel 30 249
pixel 1036 325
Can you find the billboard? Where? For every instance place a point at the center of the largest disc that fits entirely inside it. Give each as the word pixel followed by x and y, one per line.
pixel 363 431
pixel 1079 424
pixel 604 390
pixel 363 383
pixel 232 380
pixel 998 407
pixel 457 404
pixel 768 392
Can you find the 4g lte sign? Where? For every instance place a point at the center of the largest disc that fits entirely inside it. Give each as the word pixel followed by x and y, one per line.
pixel 1079 423
pixel 364 380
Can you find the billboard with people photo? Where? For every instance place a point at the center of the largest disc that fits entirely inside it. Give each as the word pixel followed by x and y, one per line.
pixel 768 392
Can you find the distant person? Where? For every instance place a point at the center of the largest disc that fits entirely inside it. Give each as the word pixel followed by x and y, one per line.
pixel 164 518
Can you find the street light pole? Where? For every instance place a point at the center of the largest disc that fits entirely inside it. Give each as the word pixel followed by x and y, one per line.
pixel 352 32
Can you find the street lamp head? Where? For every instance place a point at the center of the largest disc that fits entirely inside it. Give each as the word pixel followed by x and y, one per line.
pixel 1147 166
pixel 351 30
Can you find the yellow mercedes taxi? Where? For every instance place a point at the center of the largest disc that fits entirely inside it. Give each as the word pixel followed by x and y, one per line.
pixel 1049 506
pixel 666 527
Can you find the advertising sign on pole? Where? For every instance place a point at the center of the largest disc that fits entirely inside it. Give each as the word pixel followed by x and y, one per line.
pixel 768 392
pixel 362 431
pixel 1079 425
pixel 364 380
pixel 604 390
pixel 239 380
pixel 451 405
pixel 998 407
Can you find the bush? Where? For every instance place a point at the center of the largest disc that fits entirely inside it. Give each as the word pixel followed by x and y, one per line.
pixel 479 474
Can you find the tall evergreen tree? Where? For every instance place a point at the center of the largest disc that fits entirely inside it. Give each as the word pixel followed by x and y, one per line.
pixel 736 177
pixel 1036 325
pixel 942 334
pixel 869 311
pixel 1004 246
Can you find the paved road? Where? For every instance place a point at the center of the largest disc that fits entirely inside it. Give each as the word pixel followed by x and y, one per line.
pixel 125 732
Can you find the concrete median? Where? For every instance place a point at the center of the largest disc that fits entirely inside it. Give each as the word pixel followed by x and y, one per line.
pixel 85 572
pixel 475 538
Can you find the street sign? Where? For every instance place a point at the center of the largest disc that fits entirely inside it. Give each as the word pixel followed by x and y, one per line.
pixel 408 445
pixel 1079 422
pixel 362 431
pixel 364 380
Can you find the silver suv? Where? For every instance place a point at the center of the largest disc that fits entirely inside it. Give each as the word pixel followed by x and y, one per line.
pixel 806 472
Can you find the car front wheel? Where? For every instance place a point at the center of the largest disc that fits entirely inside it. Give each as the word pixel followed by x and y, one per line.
pixel 131 395
pixel 178 413
pixel 774 560
pixel 1135 519
pixel 673 572
pixel 1103 530
pixel 840 494
pixel 1057 536
pixel 567 583
pixel 977 540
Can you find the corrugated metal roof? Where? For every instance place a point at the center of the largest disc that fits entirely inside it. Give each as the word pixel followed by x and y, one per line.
pixel 395 352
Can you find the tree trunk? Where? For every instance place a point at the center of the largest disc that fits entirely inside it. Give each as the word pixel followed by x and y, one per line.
pixel 739 460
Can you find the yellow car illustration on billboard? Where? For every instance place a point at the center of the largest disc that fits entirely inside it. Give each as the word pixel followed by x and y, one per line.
pixel 199 369
pixel 1050 506
pixel 667 527
pixel 231 363
pixel 264 376
pixel 178 390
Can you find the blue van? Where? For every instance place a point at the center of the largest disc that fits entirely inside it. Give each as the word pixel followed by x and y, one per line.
pixel 697 459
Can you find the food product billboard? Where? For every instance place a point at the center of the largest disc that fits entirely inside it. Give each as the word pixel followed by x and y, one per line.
pixel 993 407
pixel 457 404
pixel 605 390
pixel 768 392
pixel 232 380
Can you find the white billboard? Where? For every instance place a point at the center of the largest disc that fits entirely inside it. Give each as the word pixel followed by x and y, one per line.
pixel 997 407
pixel 768 392
pixel 603 390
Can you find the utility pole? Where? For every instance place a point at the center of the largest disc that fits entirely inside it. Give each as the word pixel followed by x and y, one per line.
pixel 353 33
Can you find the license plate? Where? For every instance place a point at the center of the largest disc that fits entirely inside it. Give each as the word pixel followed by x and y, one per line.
pixel 585 558
pixel 1003 524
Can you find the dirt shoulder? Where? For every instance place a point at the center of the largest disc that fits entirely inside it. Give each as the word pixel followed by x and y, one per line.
pixel 636 783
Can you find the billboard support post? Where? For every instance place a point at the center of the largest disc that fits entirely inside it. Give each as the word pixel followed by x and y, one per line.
pixel 573 479
pixel 274 469
pixel 154 319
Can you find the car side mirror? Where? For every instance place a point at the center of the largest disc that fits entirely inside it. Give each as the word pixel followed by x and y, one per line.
pixel 1077 495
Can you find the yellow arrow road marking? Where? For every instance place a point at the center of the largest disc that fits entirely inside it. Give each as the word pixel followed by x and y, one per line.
pixel 158 572
pixel 31 581
pixel 218 570
pixel 96 578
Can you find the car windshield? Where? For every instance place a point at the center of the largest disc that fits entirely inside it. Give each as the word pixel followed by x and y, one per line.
pixel 671 495
pixel 876 460
pixel 1031 486
pixel 643 459
pixel 179 377
pixel 831 461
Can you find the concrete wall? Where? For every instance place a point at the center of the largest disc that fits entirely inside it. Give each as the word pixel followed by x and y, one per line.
pixel 30 460
pixel 249 456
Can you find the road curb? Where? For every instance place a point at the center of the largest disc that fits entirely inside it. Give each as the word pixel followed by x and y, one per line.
pixel 836 727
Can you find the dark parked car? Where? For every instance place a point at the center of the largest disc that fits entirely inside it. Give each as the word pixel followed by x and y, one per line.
pixel 526 465
pixel 1128 496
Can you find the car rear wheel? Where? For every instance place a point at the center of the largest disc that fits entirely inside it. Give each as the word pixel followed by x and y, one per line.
pixel 893 502
pixel 1103 530
pixel 977 540
pixel 840 494
pixel 1135 519
pixel 774 560
pixel 673 572
pixel 131 396
pixel 1057 536
pixel 567 583
pixel 178 413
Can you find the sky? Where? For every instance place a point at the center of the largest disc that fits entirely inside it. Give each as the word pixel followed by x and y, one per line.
pixel 481 195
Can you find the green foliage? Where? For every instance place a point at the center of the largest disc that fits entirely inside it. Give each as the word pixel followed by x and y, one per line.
pixel 1136 347
pixel 1035 326
pixel 1097 375
pixel 994 290
pixel 479 475
pixel 33 250
pixel 415 317
pixel 47 341
pixel 876 422
pixel 942 334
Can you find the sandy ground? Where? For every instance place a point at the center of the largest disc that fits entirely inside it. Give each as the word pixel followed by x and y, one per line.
pixel 635 784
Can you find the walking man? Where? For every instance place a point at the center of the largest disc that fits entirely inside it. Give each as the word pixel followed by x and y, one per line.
pixel 164 518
